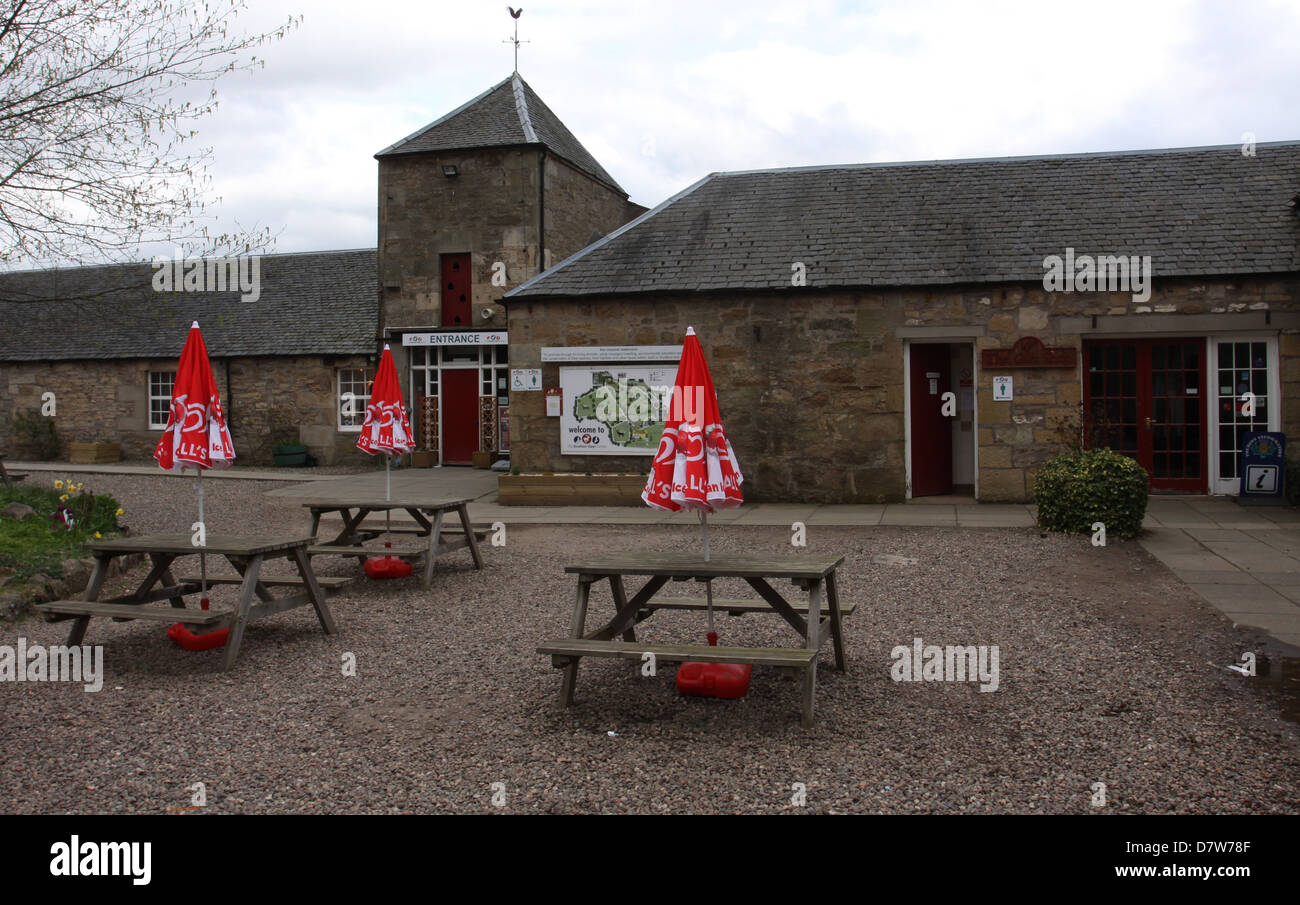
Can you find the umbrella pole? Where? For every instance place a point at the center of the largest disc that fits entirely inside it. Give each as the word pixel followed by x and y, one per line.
pixel 203 562
pixel 708 582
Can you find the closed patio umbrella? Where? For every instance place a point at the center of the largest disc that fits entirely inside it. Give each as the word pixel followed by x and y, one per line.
pixel 196 435
pixel 695 467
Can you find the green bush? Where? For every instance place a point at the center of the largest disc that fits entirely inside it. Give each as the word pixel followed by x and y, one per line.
pixel 35 436
pixel 1097 485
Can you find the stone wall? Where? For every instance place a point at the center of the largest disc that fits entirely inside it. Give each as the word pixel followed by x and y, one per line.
pixel 108 400
pixel 811 381
pixel 580 210
pixel 489 210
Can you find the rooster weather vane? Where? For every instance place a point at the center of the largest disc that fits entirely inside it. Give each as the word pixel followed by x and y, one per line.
pixel 515 14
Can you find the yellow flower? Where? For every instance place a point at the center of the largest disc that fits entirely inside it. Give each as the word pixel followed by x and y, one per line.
pixel 58 485
pixel 98 535
pixel 63 498
pixel 120 512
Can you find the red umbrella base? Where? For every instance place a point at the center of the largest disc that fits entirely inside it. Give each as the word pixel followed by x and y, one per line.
pixel 714 680
pixel 181 634
pixel 387 567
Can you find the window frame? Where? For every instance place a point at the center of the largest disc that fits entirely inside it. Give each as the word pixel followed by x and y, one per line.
pixel 363 399
pixel 151 396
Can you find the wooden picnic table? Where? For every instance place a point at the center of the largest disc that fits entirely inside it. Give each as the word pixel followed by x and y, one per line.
pixel 811 574
pixel 428 515
pixel 246 554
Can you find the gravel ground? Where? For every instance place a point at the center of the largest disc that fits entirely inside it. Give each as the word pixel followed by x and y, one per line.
pixel 1105 677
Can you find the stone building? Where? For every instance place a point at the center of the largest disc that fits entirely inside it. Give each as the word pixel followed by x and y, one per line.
pixel 876 332
pixel 469 206
pixel 1151 291
pixel 106 344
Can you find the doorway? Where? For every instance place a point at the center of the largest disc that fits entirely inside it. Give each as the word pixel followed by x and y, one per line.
pixel 1145 398
pixel 459 415
pixel 941 419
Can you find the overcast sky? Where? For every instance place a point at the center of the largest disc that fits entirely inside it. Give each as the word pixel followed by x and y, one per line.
pixel 665 92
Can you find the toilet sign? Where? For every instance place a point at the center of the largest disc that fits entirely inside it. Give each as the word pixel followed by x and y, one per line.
pixel 525 379
pixel 1002 391
pixel 1263 465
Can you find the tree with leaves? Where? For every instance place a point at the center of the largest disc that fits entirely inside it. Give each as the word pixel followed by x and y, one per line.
pixel 99 101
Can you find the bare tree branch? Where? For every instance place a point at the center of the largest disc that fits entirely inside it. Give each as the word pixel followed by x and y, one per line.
pixel 96 133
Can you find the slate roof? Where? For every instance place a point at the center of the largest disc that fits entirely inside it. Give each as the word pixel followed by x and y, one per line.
pixel 1196 211
pixel 318 303
pixel 509 113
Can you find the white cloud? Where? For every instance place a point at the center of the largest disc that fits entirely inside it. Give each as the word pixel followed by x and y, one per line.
pixel 664 92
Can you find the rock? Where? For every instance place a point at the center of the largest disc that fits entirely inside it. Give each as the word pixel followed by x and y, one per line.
pixel 76 574
pixel 17 511
pixel 13 606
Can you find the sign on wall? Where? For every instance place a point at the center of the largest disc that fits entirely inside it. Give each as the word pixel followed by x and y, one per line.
pixel 525 379
pixel 1002 389
pixel 498 338
pixel 614 410
pixel 619 354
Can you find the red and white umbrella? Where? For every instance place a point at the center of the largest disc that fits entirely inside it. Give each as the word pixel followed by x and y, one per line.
pixel 387 429
pixel 695 467
pixel 196 435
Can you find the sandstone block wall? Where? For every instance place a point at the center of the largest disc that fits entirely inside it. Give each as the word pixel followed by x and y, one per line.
pixel 811 382
pixel 108 400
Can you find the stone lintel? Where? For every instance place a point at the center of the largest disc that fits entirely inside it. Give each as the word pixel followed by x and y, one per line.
pixel 954 331
pixel 1137 324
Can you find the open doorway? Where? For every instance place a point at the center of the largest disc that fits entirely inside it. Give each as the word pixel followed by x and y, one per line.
pixel 941 419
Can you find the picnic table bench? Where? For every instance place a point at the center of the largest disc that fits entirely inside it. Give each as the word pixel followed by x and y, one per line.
pixel 246 554
pixel 815 575
pixel 428 514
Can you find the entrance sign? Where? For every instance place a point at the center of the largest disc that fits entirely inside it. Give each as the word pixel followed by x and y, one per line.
pixel 612 353
pixel 1002 389
pixel 614 410
pixel 1263 465
pixel 498 338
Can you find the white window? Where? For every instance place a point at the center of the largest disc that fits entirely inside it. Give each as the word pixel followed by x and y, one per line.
pixel 160 398
pixel 353 398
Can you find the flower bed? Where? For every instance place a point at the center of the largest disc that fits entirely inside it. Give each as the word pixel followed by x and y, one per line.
pixel 66 517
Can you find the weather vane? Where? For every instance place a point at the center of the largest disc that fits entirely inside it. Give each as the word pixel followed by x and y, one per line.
pixel 515 14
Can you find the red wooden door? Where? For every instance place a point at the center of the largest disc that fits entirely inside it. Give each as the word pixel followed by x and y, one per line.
pixel 459 415
pixel 931 431
pixel 457 303
pixel 1146 399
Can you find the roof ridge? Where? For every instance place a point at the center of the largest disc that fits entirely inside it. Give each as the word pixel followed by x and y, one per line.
pixel 60 268
pixel 521 108
pixel 440 120
pixel 1070 155
pixel 605 240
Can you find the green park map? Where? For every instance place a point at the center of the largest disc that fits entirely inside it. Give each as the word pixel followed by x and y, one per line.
pixel 631 410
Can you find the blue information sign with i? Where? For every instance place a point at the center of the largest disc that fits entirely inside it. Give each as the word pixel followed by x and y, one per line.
pixel 1263 465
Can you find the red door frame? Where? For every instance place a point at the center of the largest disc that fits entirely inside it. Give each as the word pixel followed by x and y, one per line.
pixel 459 412
pixel 931 430
pixel 1145 405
